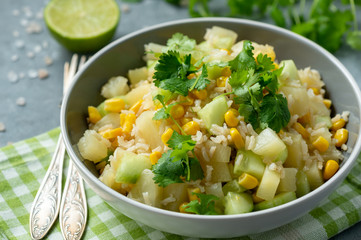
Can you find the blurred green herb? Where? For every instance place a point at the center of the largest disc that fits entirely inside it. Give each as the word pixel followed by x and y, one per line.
pixel 319 20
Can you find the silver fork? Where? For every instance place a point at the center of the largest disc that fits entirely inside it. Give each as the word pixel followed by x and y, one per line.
pixel 48 200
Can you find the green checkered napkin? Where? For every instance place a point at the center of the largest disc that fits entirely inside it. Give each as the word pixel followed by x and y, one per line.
pixel 24 164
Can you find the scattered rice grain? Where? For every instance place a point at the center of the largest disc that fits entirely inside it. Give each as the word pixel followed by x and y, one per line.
pixel 13 77
pixel 19 44
pixel 43 73
pixel 167 200
pixel 48 61
pixel 2 127
pixel 125 8
pixel 24 22
pixel 37 48
pixel 20 101
pixel 30 54
pixel 33 27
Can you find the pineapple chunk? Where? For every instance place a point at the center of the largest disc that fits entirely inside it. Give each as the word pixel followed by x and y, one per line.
pixel 220 37
pixel 268 144
pixel 137 75
pixel 269 184
pixel 137 93
pixel 148 129
pixel 177 194
pixel 294 159
pixel 92 146
pixel 298 100
pixel 116 86
pixel 288 182
pixel 314 176
pixel 112 120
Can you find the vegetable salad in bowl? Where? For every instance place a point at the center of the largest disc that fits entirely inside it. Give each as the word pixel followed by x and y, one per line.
pixel 218 127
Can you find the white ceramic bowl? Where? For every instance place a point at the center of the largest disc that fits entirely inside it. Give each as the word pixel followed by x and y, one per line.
pixel 126 53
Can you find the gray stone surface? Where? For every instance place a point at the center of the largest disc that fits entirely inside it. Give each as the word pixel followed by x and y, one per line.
pixel 23 53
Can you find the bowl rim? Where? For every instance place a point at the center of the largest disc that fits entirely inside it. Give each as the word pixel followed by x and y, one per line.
pixel 338 177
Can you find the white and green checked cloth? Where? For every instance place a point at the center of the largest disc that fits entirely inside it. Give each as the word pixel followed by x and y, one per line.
pixel 24 164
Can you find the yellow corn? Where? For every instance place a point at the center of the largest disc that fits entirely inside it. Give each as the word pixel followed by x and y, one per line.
pixel 247 181
pixel 330 169
pixel 167 135
pixel 191 76
pixel 136 106
pixel 226 72
pixel 230 118
pixel 221 81
pixel 122 118
pixel 186 101
pixel 225 49
pixel 94 115
pixel 114 105
pixel 201 94
pixel 301 130
pixel 176 128
pixel 321 144
pixel 276 66
pixel 316 91
pixel 177 111
pixel 236 138
pixel 185 120
pixel 182 207
pixel 305 118
pixel 191 128
pixel 327 103
pixel 154 157
pixel 113 133
pixel 338 124
pixel 128 123
pixel 341 136
pixel 192 196
pixel 256 199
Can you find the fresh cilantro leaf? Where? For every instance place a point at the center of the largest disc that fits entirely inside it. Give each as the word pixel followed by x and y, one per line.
pixel 204 206
pixel 199 8
pixel 201 81
pixel 167 171
pixel 244 59
pixel 167 67
pixel 161 114
pixel 181 42
pixel 353 39
pixel 181 142
pixel 196 171
pixel 274 112
pixel 264 63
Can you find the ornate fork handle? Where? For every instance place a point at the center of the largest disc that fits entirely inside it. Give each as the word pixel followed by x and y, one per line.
pixel 73 211
pixel 46 205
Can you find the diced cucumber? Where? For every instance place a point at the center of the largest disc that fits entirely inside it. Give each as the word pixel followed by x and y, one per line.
pixel 220 172
pixel 288 182
pixel 268 144
pixel 269 184
pixel 168 95
pixel 303 187
pixel 279 199
pixel 289 72
pixel 131 166
pixel 221 153
pixel 324 120
pixel 248 162
pixel 236 203
pixel 282 156
pixel 314 176
pixel 233 186
pixel 213 112
pixel 146 191
pixel 214 71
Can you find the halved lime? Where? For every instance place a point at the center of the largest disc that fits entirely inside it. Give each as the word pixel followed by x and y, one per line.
pixel 82 25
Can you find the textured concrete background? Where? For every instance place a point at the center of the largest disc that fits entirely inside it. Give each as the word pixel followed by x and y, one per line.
pixel 25 43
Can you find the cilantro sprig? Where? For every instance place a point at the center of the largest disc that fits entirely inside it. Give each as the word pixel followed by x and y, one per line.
pixel 255 85
pixel 172 73
pixel 176 164
pixel 204 205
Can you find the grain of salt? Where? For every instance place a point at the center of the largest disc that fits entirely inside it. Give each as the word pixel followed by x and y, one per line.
pixel 30 54
pixel 21 101
pixel 14 58
pixel 16 33
pixel 19 44
pixel 13 77
pixel 48 60
pixel 32 73
pixel 16 12
pixel 2 127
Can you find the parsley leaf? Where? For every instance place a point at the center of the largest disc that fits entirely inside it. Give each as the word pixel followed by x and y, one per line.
pixel 204 206
pixel 181 42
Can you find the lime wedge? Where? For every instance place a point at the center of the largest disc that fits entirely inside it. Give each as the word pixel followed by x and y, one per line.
pixel 82 25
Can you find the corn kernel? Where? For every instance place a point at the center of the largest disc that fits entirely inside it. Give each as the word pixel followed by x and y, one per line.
pixel 177 111
pixel 182 207
pixel 338 124
pixel 305 118
pixel 191 128
pixel 236 138
pixel 136 106
pixel 114 105
pixel 321 144
pixel 226 72
pixel 225 49
pixel 100 166
pixel 192 196
pixel 154 157
pixel 231 119
pixel 221 81
pixel 327 103
pixel 128 123
pixel 122 118
pixel 316 91
pixel 341 136
pixel 113 133
pixel 94 115
pixel 256 199
pixel 201 94
pixel 176 128
pixel 191 76
pixel 330 169
pixel 301 130
pixel 185 120
pixel 247 181
pixel 167 135
pixel 186 101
